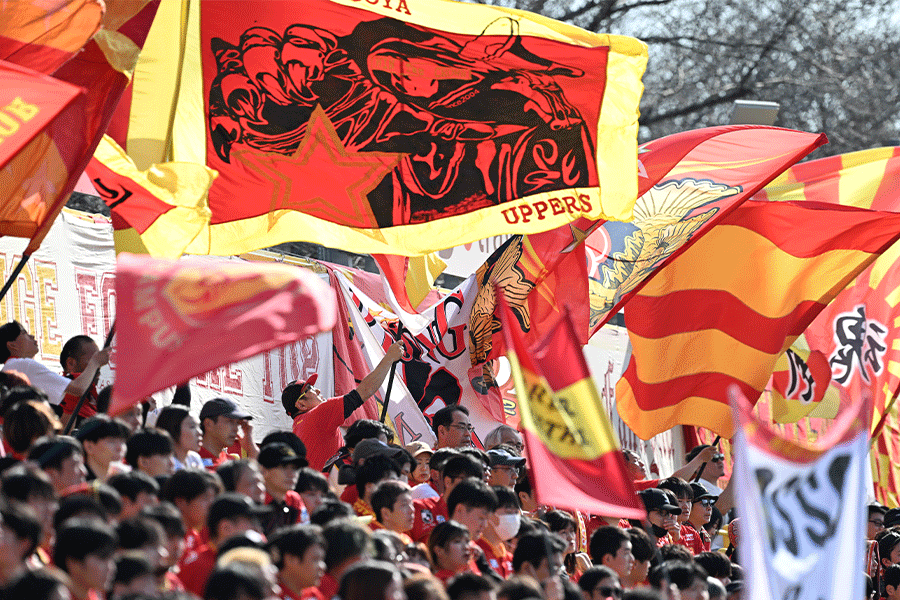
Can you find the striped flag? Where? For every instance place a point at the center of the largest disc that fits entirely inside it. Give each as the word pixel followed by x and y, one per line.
pixel 568 439
pixel 857 332
pixel 724 311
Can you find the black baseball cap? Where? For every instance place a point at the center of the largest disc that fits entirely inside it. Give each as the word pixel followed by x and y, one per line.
pixel 218 407
pixel 277 454
pixel 701 492
pixel 502 457
pixel 657 499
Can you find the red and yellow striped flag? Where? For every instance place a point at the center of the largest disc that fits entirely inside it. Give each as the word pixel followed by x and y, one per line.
pixel 727 308
pixel 570 443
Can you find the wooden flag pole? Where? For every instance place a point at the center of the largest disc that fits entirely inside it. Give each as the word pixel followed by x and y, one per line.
pixel 71 423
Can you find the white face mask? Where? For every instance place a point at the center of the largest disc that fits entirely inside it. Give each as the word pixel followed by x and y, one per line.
pixel 508 526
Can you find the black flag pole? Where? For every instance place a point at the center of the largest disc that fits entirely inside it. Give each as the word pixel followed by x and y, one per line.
pixel 71 423
pixel 14 274
pixel 703 466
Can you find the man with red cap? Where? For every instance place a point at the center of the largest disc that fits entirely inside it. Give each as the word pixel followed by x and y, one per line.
pixel 316 420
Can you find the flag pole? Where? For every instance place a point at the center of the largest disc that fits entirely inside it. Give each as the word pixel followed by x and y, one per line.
pixel 71 423
pixel 387 393
pixel 703 466
pixel 14 274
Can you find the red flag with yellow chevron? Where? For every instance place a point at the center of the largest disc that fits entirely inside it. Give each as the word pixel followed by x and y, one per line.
pixel 399 127
pixel 799 383
pixel 723 311
pixel 858 331
pixel 568 439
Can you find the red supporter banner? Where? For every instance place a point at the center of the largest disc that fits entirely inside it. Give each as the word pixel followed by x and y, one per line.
pixel 176 320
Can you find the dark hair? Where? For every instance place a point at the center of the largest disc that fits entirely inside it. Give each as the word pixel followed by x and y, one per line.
pixel 535 548
pixel 78 538
pixel 520 588
pixel 8 333
pixel 139 532
pixel 231 471
pixel 681 573
pixel 645 593
pixel 443 534
pixel 79 506
pixel 367 580
pixel 72 348
pixel 286 437
pixel 24 524
pixel 147 442
pixel 104 396
pixel 50 452
pixel 330 510
pixel 559 520
pixel 310 479
pixel 168 517
pixel 365 429
pixel 131 484
pixel 41 584
pixel 237 580
pixel 678 486
pixel 441 456
pixel 675 552
pixel 591 577
pixel 892 575
pixel 170 419
pixel 715 521
pixel 466 585
pixel 188 484
pixel 344 539
pixel 102 426
pixel 294 540
pixel 692 454
pixel 462 465
pixel 385 496
pixel 715 564
pixel 444 417
pixel 479 455
pixel 607 540
pixel 22 483
pixel 523 484
pixel 131 566
pixel 28 420
pixel 642 547
pixel 424 586
pixel 887 540
pixel 506 498
pixel 471 493
pixel 373 470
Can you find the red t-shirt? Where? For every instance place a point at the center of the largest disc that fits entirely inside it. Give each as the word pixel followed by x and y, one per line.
pixel 70 401
pixel 319 430
pixel 429 512
pixel 310 593
pixel 195 568
pixel 694 540
pixel 328 587
pixel 500 558
pixel 211 462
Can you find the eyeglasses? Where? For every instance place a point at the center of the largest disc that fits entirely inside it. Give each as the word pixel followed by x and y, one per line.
pixel 610 592
pixel 876 522
pixel 464 427
pixel 513 470
pixel 706 502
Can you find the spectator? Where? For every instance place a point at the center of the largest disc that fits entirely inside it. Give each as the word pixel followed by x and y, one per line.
pixel 393 507
pixel 600 583
pixel 564 525
pixel 28 418
pixel 137 490
pixel 299 555
pixel 421 453
pixel 892 582
pixel 169 519
pixel 644 550
pixel 451 551
pixel 504 434
pixel 472 503
pixel 712 472
pixel 279 465
pixel 875 522
pixel 192 491
pixel 452 428
pixel 375 470
pixel 469 586
pixel 611 547
pixel 684 494
pixel 701 513
pixel 84 550
pixel 20 534
pixel 75 358
pixel 526 496
pixel 237 581
pixel 103 441
pixel 133 576
pixel 176 420
pixel 503 525
pixel 422 586
pixel 150 450
pixel 312 487
pixel 688 577
pixel 244 477
pixel 31 489
pixel 434 487
pixel 345 545
pixel 716 565
pixel 371 580
pixel 220 421
pixel 662 508
pixel 41 584
pixel 432 511
pixel 505 468
pixel 62 460
pixel 316 420
pixel 540 556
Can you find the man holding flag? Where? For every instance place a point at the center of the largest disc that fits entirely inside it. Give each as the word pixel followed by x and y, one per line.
pixel 317 420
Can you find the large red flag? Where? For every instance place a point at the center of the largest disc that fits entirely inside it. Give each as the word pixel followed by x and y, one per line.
pixel 723 311
pixel 570 444
pixel 32 153
pixel 178 319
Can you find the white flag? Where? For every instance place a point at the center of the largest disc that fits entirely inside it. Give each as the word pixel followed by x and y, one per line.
pixel 802 509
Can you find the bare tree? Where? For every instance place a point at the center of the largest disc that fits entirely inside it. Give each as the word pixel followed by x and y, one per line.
pixel 832 65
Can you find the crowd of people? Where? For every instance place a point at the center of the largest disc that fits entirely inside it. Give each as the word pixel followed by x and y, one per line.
pixel 187 507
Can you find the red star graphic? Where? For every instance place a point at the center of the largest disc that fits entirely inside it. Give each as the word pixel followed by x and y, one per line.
pixel 322 178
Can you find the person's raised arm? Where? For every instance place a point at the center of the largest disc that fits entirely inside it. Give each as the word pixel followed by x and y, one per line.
pixel 371 382
pixel 81 383
pixel 688 471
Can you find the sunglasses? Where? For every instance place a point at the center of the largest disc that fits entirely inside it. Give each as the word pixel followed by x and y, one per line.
pixel 718 458
pixel 610 592
pixel 707 502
